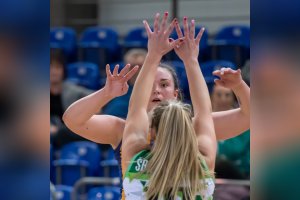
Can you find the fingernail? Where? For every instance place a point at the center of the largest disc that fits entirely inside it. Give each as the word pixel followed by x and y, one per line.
pixel 184 18
pixel 144 21
pixel 175 20
pixel 157 14
pixel 180 40
pixel 170 40
pixel 193 21
pixel 166 13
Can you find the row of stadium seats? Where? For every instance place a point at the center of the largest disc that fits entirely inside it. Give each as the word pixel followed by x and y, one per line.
pixel 63 192
pixel 81 159
pixel 103 45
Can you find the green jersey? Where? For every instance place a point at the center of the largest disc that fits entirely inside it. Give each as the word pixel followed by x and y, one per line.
pixel 135 182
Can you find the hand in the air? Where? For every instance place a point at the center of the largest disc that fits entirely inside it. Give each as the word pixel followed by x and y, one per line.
pixel 189 48
pixel 116 83
pixel 229 78
pixel 159 42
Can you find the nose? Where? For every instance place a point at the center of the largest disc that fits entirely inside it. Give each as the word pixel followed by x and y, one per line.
pixel 156 89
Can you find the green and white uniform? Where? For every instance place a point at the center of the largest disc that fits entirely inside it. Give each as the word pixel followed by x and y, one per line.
pixel 134 182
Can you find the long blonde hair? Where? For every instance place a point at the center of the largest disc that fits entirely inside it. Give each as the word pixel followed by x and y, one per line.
pixel 174 163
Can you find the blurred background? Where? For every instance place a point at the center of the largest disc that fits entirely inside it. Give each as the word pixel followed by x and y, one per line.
pixel 85 35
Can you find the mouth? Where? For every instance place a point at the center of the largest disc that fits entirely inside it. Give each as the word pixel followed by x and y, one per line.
pixel 156 100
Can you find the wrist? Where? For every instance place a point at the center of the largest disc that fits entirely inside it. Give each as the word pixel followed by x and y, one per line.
pixel 239 87
pixel 154 57
pixel 190 61
pixel 106 94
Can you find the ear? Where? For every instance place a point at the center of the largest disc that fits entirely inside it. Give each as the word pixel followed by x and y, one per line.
pixel 176 93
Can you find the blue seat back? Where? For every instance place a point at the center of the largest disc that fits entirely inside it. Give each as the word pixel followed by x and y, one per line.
pixel 85 74
pixel 99 45
pixel 85 151
pixel 235 33
pixel 104 193
pixel 136 38
pixel 63 38
pixel 99 37
pixel 63 192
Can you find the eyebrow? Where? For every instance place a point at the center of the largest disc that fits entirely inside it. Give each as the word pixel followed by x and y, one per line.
pixel 164 80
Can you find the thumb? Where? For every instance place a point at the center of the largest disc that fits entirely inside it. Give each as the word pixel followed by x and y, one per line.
pixel 178 42
pixel 219 82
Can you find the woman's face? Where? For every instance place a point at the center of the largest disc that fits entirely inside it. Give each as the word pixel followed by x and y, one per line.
pixel 163 88
pixel 56 72
pixel 222 98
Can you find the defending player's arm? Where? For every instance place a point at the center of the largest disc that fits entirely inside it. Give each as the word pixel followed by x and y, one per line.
pixel 81 116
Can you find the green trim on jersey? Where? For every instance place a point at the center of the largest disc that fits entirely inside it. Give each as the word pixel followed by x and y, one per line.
pixel 135 172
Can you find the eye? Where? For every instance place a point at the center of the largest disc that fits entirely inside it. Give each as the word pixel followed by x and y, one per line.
pixel 164 85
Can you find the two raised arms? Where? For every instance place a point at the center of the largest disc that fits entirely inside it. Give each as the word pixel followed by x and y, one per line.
pixel 137 122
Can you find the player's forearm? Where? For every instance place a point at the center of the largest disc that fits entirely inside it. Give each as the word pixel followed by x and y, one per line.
pixel 242 93
pixel 198 88
pixel 143 86
pixel 83 109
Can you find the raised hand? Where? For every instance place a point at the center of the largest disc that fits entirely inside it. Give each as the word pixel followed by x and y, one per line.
pixel 158 40
pixel 229 78
pixel 189 48
pixel 116 83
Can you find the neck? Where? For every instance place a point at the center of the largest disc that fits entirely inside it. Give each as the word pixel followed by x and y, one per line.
pixel 55 88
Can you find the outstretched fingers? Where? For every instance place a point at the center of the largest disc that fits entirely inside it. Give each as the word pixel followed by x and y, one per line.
pixel 131 73
pixel 164 22
pixel 124 70
pixel 186 27
pixel 199 36
pixel 148 29
pixel 178 30
pixel 192 30
pixel 116 69
pixel 108 72
pixel 170 28
pixel 156 22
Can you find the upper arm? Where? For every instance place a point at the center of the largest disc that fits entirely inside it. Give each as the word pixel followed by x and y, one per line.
pixel 206 139
pixel 135 134
pixel 104 129
pixel 230 123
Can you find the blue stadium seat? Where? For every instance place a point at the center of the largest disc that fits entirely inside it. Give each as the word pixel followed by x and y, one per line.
pixel 63 192
pixel 99 45
pixel 65 39
pixel 77 159
pixel 232 43
pixel 110 165
pixel 136 38
pixel 85 74
pixel 238 34
pixel 208 67
pixel 104 193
